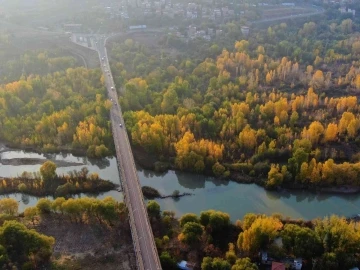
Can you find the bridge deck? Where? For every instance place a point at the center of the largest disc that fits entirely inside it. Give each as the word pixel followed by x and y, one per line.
pixel 143 239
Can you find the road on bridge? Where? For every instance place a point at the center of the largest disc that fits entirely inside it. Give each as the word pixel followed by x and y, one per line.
pixel 143 239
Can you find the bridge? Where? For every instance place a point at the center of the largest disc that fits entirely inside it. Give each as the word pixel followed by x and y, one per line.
pixel 144 244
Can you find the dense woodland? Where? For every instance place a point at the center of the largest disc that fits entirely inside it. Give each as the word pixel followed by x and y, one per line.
pixel 212 241
pixel 281 105
pixel 61 110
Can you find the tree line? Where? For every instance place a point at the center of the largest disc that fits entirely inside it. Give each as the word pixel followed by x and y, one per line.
pixel 212 241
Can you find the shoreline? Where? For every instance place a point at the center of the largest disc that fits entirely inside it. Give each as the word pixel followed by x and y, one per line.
pixel 150 162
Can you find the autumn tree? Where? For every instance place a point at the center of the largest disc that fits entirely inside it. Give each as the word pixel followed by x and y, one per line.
pixel 48 171
pixel 9 206
pixel 261 232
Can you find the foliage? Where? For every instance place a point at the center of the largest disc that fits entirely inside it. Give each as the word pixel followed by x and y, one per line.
pixel 191 233
pixel 153 209
pixel 167 262
pixel 65 109
pixel 259 235
pixel 48 171
pixel 209 263
pixel 9 206
pixel 25 246
pixel 244 264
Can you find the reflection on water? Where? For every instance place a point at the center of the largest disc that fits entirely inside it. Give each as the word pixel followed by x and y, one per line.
pixel 239 199
pixel 209 193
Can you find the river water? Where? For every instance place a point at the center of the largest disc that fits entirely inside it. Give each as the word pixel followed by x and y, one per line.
pixel 208 193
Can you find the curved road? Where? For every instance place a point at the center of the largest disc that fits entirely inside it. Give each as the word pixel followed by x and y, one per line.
pixel 143 239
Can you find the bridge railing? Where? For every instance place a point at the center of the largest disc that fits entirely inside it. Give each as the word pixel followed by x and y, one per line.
pixel 154 250
pixel 139 190
pixel 133 229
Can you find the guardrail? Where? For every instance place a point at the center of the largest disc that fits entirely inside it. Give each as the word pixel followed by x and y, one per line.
pixel 134 231
pixel 128 204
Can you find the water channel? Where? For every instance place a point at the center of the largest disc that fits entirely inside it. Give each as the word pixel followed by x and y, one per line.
pixel 208 193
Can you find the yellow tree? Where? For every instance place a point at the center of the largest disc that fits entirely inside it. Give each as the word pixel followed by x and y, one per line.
pixel 331 132
pixel 261 233
pixel 247 138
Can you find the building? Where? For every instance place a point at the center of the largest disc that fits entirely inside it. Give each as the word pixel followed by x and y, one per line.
pixel 245 30
pixel 277 266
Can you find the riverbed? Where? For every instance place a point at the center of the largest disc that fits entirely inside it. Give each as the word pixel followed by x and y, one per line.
pixel 208 192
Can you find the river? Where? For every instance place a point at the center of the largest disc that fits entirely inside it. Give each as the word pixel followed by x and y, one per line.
pixel 209 193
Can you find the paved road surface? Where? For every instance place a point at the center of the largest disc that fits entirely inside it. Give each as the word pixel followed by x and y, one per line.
pixel 143 239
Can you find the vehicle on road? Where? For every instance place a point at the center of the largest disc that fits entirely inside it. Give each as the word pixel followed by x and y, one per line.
pixel 112 88
pixel 120 125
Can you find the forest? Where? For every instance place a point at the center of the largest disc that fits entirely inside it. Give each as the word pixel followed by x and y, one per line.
pixel 55 107
pixel 212 241
pixel 279 106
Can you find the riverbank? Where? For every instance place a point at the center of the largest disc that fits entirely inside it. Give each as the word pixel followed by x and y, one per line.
pixel 8 146
pixel 36 161
pixel 150 162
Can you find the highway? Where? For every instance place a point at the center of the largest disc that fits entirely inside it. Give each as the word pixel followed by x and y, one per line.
pixel 143 239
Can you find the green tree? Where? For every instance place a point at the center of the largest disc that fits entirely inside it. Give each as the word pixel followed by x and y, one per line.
pixel 191 233
pixel 167 262
pixel 302 242
pixel 23 245
pixel 44 205
pixel 218 169
pixel 209 263
pixel 190 217
pixel 48 170
pixel 244 264
pixel 153 209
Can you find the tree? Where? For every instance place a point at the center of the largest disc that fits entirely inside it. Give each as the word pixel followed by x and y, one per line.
pixel 218 169
pixel 302 242
pixel 167 262
pixel 215 220
pixel 209 263
pixel 191 233
pixel 190 217
pixel 24 245
pixel 244 264
pixel 247 138
pixel 331 132
pixel 170 101
pixel 48 170
pixel 153 209
pixel 9 206
pixel 30 213
pixel 44 205
pixel 261 232
pixel 230 255
pixel 275 177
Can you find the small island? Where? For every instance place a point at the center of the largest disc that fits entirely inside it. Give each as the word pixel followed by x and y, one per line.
pixel 152 193
pixel 47 182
